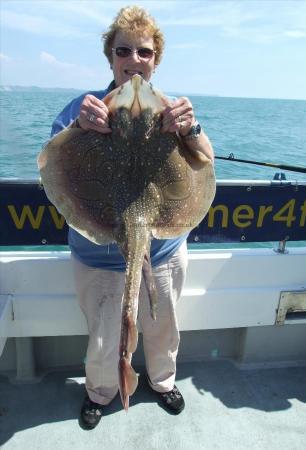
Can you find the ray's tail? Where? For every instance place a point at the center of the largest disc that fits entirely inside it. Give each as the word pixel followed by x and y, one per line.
pixel 128 379
pixel 134 251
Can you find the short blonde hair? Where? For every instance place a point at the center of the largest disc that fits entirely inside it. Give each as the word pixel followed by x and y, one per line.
pixel 134 20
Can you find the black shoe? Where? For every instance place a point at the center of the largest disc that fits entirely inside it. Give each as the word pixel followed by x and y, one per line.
pixel 91 414
pixel 173 400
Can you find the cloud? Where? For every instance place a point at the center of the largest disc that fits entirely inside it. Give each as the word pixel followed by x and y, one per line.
pixel 260 22
pixel 51 60
pixel 189 45
pixel 39 25
pixel 99 11
pixel 258 35
pixel 209 14
pixel 83 9
pixel 296 34
pixel 4 57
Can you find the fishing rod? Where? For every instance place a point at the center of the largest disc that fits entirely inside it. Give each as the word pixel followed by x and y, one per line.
pixel 231 157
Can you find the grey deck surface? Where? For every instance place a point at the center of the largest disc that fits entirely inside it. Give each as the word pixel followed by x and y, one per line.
pixel 226 408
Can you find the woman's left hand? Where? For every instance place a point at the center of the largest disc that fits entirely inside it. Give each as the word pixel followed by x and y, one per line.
pixel 179 116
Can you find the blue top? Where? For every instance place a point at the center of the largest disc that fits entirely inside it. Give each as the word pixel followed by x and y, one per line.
pixel 107 257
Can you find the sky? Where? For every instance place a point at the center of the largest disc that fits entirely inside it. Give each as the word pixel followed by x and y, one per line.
pixel 241 48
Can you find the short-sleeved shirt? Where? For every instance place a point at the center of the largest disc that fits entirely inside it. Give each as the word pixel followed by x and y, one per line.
pixel 107 257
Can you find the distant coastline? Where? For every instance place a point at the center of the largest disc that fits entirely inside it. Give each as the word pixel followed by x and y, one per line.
pixel 36 88
pixel 15 88
pixel 9 88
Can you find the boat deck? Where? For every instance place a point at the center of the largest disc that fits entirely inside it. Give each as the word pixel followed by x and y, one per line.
pixel 226 408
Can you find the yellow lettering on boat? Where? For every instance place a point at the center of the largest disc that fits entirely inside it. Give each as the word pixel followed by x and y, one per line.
pixel 26 214
pixel 263 211
pixel 303 215
pixel 57 218
pixel 239 216
pixel 285 214
pixel 211 215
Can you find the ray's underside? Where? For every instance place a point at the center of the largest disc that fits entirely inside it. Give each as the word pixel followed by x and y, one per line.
pixel 127 187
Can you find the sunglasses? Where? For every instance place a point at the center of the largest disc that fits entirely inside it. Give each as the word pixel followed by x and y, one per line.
pixel 142 52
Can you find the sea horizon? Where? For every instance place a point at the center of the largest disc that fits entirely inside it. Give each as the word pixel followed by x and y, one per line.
pixel 266 130
pixel 20 88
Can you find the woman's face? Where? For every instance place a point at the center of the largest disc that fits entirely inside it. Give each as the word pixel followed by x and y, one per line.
pixel 125 68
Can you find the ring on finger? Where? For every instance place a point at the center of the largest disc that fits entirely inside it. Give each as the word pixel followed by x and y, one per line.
pixel 91 117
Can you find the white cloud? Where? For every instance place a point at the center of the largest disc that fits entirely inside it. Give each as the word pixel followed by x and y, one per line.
pixel 97 10
pixel 89 9
pixel 258 21
pixel 211 14
pixel 4 57
pixel 255 21
pixel 297 34
pixel 50 59
pixel 189 45
pixel 39 25
pixel 258 35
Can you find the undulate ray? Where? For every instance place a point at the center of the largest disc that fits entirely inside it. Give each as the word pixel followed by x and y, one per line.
pixel 127 187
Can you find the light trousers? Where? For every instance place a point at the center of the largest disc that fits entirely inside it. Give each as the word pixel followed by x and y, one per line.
pixel 99 293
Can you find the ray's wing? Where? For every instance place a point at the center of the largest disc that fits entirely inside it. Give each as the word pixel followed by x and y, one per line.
pixel 77 169
pixel 186 185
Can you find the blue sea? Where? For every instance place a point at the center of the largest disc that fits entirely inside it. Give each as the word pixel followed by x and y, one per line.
pixel 256 129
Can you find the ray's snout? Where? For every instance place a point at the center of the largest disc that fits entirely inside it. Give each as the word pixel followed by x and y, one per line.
pixel 136 95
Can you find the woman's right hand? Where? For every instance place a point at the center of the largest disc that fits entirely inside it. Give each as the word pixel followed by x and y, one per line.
pixel 94 115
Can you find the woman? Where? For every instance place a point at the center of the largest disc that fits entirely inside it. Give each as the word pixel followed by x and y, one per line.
pixel 133 44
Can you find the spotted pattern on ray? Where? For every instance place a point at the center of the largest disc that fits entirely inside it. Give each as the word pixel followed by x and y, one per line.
pixel 127 187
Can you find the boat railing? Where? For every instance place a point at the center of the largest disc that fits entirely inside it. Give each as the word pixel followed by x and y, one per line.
pixel 242 211
pixel 252 288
